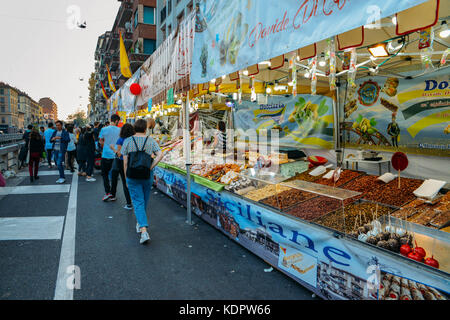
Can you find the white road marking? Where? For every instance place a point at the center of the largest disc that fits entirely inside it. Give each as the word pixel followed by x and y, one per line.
pixel 67 257
pixel 31 228
pixel 58 188
pixel 44 173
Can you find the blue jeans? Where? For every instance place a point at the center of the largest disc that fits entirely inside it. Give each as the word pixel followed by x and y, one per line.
pixel 59 159
pixel 140 194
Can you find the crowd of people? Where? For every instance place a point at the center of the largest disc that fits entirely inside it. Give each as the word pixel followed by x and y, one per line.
pixel 128 152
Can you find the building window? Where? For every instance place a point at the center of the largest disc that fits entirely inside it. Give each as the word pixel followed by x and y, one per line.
pixel 149 15
pixel 149 46
pixel 3 120
pixel 136 18
pixel 169 7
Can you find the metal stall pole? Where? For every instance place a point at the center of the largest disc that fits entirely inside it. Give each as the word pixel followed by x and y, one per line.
pixel 187 149
pixel 337 129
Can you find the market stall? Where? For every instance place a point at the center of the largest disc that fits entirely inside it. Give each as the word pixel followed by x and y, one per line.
pixel 371 90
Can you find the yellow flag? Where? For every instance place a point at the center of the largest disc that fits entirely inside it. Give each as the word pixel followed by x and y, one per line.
pixel 124 62
pixel 110 80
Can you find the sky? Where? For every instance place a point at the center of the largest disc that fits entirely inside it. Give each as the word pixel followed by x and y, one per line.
pixel 41 54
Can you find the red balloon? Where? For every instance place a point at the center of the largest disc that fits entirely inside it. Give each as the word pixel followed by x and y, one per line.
pixel 399 161
pixel 135 89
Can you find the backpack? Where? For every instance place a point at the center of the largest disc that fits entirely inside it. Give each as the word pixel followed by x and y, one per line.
pixel 139 163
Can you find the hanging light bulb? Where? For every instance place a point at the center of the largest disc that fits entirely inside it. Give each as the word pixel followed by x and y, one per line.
pixel 322 63
pixel 245 72
pixel 224 76
pixel 235 96
pixel 268 90
pixel 213 81
pixel 394 20
pixel 307 74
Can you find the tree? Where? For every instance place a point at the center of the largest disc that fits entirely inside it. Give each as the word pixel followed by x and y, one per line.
pixel 79 118
pixel 92 83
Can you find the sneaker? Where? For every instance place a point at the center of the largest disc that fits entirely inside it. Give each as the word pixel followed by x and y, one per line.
pixel 128 207
pixel 144 237
pixel 113 198
pixel 138 228
pixel 91 179
pixel 61 180
pixel 107 196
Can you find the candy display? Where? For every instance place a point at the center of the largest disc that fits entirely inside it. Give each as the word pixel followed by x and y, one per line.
pixel 354 216
pixel 392 195
pixel 396 288
pixel 241 186
pixel 305 176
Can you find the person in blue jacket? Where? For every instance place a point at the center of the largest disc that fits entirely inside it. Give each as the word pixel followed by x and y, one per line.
pixel 60 139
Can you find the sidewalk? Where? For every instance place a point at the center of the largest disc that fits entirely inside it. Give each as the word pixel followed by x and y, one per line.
pixel 180 262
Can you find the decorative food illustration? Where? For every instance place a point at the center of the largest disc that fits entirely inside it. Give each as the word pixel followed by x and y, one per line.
pixel 390 87
pixel 307 114
pixel 368 93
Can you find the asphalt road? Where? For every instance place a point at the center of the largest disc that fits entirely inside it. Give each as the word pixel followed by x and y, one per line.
pixel 180 262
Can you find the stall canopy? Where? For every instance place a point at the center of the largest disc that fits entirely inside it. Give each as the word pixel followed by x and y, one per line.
pixel 232 35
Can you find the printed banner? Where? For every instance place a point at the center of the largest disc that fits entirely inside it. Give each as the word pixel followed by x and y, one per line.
pixel 333 268
pixel 399 114
pixel 170 62
pixel 234 34
pixel 302 121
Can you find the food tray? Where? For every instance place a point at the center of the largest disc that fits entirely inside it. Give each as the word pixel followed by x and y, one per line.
pixel 442 220
pixel 336 216
pixel 295 197
pixel 208 183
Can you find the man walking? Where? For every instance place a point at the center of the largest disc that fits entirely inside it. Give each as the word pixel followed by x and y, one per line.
pixel 60 140
pixel 48 144
pixel 108 136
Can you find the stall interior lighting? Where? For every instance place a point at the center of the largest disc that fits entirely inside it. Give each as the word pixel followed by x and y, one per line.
pixel 394 20
pixel 224 76
pixel 268 90
pixel 307 74
pixel 379 50
pixel 245 72
pixel 445 32
pixel 235 96
pixel 266 62
pixel 322 63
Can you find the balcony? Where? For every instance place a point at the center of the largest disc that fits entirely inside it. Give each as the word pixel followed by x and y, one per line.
pixel 115 62
pixel 115 39
pixel 136 60
pixel 125 13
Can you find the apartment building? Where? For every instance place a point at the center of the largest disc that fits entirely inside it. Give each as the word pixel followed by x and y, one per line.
pixel 49 109
pixel 136 21
pixel 9 100
pixel 170 14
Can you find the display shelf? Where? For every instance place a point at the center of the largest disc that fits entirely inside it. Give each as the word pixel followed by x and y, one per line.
pixel 323 190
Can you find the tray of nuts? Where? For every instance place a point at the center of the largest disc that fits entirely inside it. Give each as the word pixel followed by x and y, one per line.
pixel 344 177
pixel 392 195
pixel 288 198
pixel 317 207
pixel 305 176
pixel 364 184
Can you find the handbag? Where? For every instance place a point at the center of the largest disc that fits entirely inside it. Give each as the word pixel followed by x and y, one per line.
pixel 117 164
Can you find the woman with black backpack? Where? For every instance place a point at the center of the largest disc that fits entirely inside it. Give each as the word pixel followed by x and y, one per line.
pixel 137 153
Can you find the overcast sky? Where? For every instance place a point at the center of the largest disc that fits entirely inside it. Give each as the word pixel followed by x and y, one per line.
pixel 42 56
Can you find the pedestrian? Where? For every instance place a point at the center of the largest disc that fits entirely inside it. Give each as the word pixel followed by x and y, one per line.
pixel 35 149
pixel 41 132
pixel 86 153
pixel 60 140
pixel 48 144
pixel 126 131
pixel 96 130
pixel 71 149
pixel 108 136
pixel 136 148
pixel 24 152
